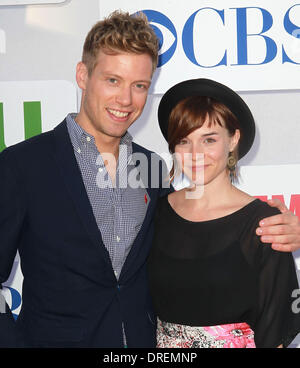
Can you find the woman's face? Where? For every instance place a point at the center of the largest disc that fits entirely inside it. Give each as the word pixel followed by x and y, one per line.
pixel 203 154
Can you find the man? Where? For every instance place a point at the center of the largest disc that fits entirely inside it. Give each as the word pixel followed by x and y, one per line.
pixel 83 244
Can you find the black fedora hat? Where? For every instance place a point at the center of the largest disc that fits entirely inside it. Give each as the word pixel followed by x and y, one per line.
pixel 218 91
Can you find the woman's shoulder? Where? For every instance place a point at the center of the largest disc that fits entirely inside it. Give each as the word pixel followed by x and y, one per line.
pixel 251 244
pixel 253 213
pixel 263 209
pixel 256 207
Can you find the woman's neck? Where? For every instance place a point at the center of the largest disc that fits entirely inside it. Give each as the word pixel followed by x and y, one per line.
pixel 217 192
pixel 213 200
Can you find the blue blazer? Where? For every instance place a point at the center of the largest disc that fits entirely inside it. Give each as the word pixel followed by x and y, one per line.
pixel 70 296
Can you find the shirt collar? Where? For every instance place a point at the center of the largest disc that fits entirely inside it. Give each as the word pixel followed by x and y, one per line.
pixel 79 136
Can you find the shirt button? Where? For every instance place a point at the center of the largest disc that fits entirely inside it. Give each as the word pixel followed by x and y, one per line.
pixel 116 273
pixel 88 139
pixel 79 150
pixel 100 169
pixel 118 239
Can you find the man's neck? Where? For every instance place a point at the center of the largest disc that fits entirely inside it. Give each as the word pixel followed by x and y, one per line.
pixel 104 143
pixel 107 146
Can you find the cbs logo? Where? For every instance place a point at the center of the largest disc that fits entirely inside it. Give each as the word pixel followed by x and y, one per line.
pixel 168 39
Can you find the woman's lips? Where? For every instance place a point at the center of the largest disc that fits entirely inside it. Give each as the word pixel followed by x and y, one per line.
pixel 199 167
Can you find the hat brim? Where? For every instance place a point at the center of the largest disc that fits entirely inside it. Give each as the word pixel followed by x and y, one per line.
pixel 218 91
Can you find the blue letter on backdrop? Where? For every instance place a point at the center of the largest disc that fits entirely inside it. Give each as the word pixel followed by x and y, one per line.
pixel 242 36
pixel 290 28
pixel 159 18
pixel 188 39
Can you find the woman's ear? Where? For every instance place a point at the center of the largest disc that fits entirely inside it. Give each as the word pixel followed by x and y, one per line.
pixel 81 75
pixel 234 140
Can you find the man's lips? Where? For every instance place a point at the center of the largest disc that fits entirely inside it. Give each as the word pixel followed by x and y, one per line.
pixel 118 114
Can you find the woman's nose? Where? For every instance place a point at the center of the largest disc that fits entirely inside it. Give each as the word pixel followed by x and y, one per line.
pixel 197 151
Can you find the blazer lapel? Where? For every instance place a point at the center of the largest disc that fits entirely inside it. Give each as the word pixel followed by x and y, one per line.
pixel 137 244
pixel 71 175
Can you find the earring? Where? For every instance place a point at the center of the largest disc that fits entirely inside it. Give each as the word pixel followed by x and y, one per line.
pixel 231 161
pixel 231 165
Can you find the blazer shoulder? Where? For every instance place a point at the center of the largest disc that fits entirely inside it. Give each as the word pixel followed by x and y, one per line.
pixel 136 148
pixel 37 144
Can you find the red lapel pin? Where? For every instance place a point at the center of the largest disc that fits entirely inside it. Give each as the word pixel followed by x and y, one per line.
pixel 146 199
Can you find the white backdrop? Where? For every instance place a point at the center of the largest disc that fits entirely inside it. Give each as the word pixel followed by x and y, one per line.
pixel 252 40
pixel 41 44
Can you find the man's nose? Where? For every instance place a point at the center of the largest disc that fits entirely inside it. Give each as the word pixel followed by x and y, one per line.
pixel 124 96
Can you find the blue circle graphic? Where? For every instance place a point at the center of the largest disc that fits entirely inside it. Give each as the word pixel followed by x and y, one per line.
pixel 159 18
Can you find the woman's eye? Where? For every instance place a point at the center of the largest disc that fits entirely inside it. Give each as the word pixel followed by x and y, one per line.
pixel 209 140
pixel 183 141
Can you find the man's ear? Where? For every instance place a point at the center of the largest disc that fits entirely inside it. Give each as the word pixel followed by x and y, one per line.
pixel 81 75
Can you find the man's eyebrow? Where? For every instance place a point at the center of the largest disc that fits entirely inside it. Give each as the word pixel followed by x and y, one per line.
pixel 143 81
pixel 114 75
pixel 110 74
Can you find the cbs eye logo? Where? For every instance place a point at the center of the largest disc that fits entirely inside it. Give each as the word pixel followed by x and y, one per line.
pixel 165 32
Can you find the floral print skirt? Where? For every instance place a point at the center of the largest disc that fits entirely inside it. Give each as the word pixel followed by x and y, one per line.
pixel 233 335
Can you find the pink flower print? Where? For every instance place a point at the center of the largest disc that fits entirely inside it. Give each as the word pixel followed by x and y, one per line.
pixel 234 335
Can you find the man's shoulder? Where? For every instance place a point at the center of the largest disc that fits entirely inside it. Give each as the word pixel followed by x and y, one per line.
pixel 137 148
pixel 39 143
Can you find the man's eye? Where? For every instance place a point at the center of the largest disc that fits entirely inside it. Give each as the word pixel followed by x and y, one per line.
pixel 141 86
pixel 112 80
pixel 183 141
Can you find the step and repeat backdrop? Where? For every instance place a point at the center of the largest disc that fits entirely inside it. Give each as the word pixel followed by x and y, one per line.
pixel 252 46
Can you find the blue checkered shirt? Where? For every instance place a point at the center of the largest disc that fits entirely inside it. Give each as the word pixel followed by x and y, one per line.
pixel 119 211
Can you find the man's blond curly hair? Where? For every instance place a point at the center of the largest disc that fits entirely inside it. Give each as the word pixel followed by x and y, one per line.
pixel 120 32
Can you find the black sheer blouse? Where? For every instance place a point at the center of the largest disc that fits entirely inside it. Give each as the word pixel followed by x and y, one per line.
pixel 217 272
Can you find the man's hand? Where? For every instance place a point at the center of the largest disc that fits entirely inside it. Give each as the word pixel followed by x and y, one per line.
pixel 283 230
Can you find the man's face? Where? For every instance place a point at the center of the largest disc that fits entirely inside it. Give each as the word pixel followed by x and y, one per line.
pixel 114 94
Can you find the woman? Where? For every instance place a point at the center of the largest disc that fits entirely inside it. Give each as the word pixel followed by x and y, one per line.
pixel 214 284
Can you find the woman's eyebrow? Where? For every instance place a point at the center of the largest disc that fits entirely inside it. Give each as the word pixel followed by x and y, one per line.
pixel 207 134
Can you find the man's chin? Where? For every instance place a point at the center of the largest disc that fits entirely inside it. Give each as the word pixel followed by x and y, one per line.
pixel 116 135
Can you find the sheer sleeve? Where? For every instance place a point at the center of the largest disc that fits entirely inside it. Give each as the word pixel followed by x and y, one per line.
pixel 276 322
pixel 273 320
